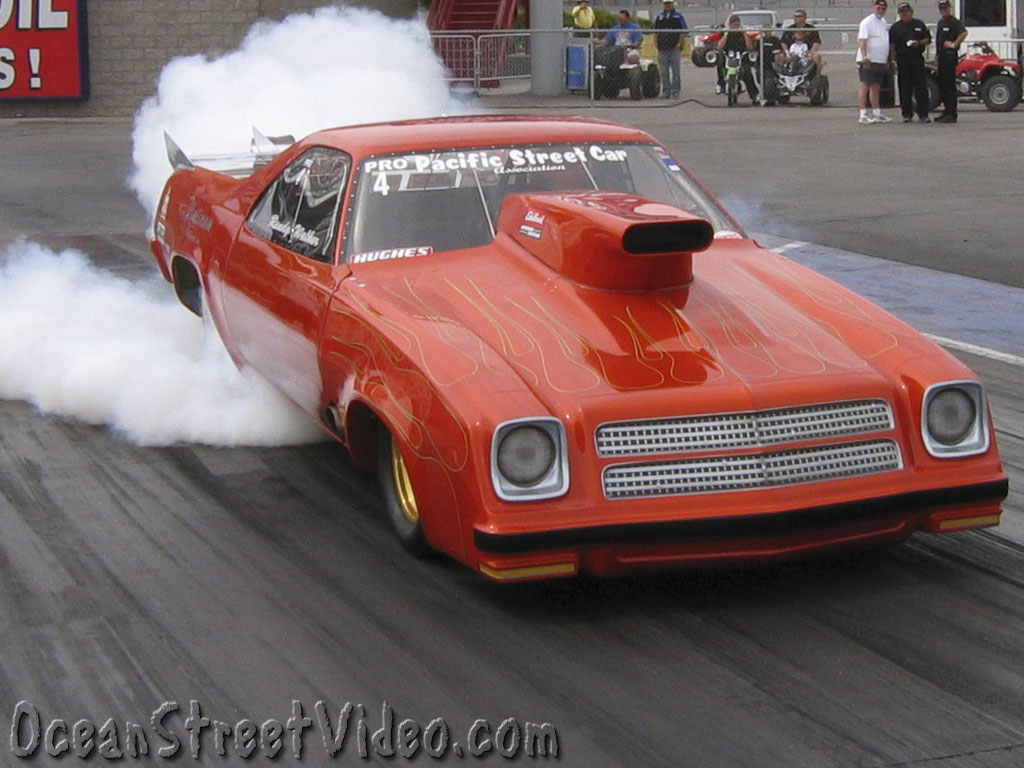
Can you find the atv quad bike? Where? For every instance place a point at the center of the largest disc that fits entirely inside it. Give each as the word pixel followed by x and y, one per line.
pixel 618 67
pixel 981 75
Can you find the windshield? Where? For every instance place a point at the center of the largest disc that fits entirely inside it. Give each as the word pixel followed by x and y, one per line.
pixel 433 201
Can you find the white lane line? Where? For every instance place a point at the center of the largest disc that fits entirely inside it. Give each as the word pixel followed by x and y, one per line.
pixel 974 349
pixel 780 249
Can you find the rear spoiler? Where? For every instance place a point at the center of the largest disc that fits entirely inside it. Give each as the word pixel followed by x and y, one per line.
pixel 262 149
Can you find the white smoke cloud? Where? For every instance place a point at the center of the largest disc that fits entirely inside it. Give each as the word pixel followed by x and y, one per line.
pixel 336 66
pixel 79 342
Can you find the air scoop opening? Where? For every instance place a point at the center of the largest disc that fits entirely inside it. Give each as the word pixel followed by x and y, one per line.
pixel 610 241
pixel 668 237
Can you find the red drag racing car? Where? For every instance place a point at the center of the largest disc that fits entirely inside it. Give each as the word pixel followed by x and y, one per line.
pixel 562 356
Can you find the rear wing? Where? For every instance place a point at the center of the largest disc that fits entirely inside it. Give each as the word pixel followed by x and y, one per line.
pixel 262 149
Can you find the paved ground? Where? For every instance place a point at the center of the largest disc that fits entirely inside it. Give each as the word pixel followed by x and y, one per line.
pixel 246 579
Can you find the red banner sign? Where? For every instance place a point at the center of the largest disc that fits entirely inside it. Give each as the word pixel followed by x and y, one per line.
pixel 43 49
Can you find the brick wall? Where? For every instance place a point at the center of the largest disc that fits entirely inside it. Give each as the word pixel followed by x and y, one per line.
pixel 131 40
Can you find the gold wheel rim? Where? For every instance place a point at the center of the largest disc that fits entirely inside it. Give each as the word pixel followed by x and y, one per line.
pixel 403 485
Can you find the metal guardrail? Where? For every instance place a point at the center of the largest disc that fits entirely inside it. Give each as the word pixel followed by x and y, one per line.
pixel 484 59
pixel 487 59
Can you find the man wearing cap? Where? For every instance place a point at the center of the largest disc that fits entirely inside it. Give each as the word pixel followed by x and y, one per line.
pixel 668 48
pixel 949 33
pixel 583 18
pixel 873 62
pixel 908 38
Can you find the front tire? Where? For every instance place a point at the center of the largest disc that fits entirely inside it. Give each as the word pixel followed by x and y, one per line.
pixel 400 505
pixel 1000 93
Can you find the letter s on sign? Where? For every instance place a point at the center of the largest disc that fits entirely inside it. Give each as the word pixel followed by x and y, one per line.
pixel 7 73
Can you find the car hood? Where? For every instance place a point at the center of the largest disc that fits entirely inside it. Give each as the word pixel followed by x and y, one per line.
pixel 749 328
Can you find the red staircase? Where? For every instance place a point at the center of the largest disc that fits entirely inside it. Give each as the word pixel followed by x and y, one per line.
pixel 461 18
pixel 451 15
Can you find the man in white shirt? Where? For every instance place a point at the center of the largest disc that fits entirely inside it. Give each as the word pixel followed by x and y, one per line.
pixel 873 61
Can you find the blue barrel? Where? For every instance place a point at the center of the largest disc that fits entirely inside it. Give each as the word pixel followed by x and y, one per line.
pixel 577 67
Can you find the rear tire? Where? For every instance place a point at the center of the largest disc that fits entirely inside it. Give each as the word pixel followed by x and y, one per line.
pixel 699 56
pixel 1001 93
pixel 651 82
pixel 818 91
pixel 399 497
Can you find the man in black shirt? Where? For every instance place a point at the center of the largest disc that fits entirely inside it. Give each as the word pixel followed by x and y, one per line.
pixel 812 39
pixel 949 33
pixel 770 52
pixel 908 38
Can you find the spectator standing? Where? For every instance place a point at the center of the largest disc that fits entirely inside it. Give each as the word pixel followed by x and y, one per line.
pixel 735 39
pixel 811 38
pixel 583 18
pixel 626 32
pixel 873 62
pixel 668 48
pixel 949 33
pixel 908 39
pixel 770 53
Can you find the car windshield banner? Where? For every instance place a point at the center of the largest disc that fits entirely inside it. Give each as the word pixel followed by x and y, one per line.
pixel 43 49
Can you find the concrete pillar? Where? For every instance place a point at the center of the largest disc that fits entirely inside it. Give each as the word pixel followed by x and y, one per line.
pixel 547 48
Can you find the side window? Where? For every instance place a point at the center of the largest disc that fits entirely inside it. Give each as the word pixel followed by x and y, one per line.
pixel 299 210
pixel 984 13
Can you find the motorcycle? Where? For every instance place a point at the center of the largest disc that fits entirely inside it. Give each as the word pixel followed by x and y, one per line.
pixel 734 65
pixel 981 75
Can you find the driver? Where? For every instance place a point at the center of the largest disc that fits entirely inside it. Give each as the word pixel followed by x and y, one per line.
pixel 735 39
pixel 809 42
pixel 626 32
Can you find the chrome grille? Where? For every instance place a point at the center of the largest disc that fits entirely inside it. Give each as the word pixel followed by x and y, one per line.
pixel 749 471
pixel 752 429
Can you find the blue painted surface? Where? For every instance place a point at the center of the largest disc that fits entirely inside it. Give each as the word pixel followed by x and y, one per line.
pixel 953 306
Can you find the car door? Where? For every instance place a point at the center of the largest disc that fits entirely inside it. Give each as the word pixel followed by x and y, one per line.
pixel 282 272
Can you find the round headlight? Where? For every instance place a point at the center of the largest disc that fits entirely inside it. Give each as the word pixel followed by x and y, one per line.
pixel 951 416
pixel 525 455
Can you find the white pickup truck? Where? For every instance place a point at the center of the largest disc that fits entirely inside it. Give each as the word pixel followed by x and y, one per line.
pixel 705 52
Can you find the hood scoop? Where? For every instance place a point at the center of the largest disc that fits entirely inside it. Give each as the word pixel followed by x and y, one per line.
pixel 608 240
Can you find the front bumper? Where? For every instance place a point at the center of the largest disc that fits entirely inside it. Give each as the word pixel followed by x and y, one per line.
pixel 605 549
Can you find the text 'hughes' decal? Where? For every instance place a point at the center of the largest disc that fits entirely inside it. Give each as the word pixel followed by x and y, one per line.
pixel 391 253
